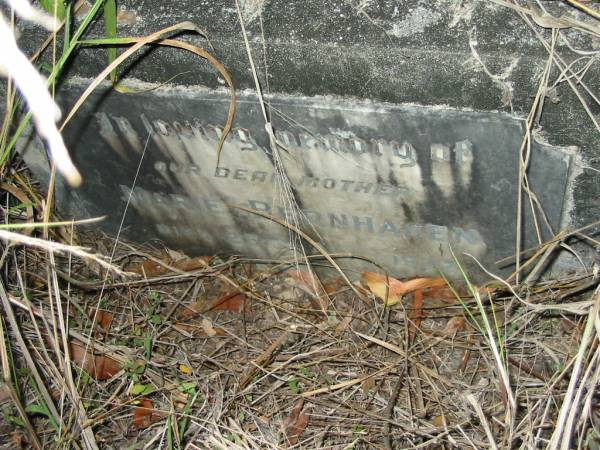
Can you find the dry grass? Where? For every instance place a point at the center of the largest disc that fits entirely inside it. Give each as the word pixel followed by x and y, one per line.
pixel 231 377
pixel 94 358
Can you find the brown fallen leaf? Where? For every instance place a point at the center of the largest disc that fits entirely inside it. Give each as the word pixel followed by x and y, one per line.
pixel 387 289
pixel 335 285
pixel 230 302
pixel 192 310
pixel 233 301
pixel 344 324
pixel 208 328
pixel 454 325
pixel 368 384
pixel 307 280
pixel 295 423
pixel 416 315
pixel 190 264
pixel 103 318
pixel 144 414
pixel 443 293
pixel 99 367
pixel 391 290
pixel 197 330
pixel 151 268
pixel 310 283
pixel 18 440
pixel 433 293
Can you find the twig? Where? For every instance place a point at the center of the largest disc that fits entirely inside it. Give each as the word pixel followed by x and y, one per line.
pixel 388 413
pixel 262 360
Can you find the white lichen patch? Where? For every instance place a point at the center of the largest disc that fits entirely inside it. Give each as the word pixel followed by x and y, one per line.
pixel 251 9
pixel 416 21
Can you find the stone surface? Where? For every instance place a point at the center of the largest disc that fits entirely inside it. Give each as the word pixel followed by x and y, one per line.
pixel 402 122
pixel 395 184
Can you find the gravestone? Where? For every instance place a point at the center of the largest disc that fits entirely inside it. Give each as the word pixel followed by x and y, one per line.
pixel 399 126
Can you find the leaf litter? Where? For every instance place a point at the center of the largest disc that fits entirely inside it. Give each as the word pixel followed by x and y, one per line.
pixel 204 353
pixel 214 350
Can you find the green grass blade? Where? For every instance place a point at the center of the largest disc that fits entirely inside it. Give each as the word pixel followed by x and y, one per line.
pixel 170 440
pixel 67 27
pixel 110 30
pixel 465 307
pixel 111 41
pixel 54 75
pixel 57 6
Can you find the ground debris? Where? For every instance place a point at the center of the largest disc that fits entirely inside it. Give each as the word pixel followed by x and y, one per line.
pixel 272 357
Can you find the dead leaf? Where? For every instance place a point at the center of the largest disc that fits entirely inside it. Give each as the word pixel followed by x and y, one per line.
pixel 310 283
pixel 307 280
pixel 385 288
pixel 394 290
pixel 233 301
pixel 190 264
pixel 185 369
pixel 295 423
pixel 344 324
pixel 144 414
pixel 368 384
pixel 443 293
pixel 17 439
pixel 196 330
pixel 153 268
pixel 190 311
pixel 230 302
pixel 175 255
pixel 334 286
pixel 207 326
pixel 103 318
pixel 438 421
pixel 99 367
pixel 416 315
pixel 150 267
pixel 454 325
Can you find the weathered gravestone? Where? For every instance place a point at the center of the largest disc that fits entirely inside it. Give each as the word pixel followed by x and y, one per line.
pixel 396 184
pixel 372 173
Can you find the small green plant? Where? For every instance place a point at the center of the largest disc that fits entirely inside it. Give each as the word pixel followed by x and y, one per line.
pixel 294 385
pixel 305 371
pixel 40 407
pixel 15 420
pixel 491 332
pixel 154 297
pixel 85 378
pixel 134 369
pixel 328 379
pixel 358 429
pixel 236 439
pixel 151 314
pixel 155 319
pixel 141 389
pixel 189 388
